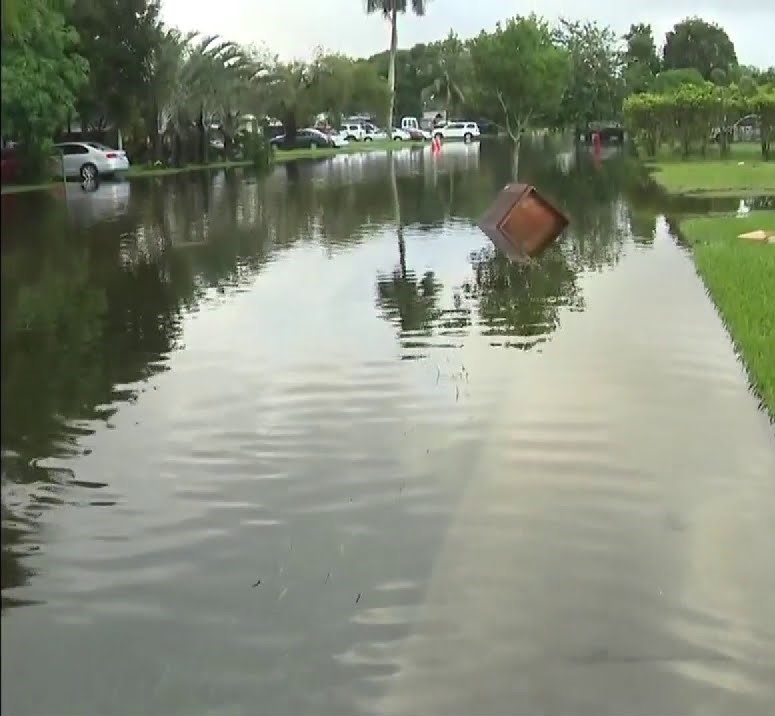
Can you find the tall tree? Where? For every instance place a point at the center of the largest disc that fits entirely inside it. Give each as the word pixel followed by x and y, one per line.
pixel 451 69
pixel 595 90
pixel 292 95
pixel 117 38
pixel 705 46
pixel 41 74
pixel 641 48
pixel 641 62
pixel 343 86
pixel 521 70
pixel 164 65
pixel 390 9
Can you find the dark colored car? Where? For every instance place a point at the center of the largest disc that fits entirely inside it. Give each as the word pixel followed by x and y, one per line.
pixel 305 139
pixel 417 135
pixel 487 127
pixel 11 166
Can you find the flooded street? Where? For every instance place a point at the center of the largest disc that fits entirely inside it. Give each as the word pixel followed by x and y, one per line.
pixel 308 445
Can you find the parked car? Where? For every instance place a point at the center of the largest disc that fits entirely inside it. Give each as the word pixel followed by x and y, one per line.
pixel 305 139
pixel 88 160
pixel 352 132
pixel 11 164
pixel 467 131
pixel 337 140
pixel 487 126
pixel 401 135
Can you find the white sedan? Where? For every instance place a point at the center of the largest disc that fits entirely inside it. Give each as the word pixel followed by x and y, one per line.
pixel 401 135
pixel 338 140
pixel 88 160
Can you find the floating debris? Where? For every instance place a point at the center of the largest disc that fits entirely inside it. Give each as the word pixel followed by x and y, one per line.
pixel 258 582
pixel 358 598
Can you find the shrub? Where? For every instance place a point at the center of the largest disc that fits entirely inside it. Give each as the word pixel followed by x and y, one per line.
pixel 255 148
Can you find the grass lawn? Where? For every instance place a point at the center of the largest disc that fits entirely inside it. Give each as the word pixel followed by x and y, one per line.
pixel 740 276
pixel 744 173
pixel 280 157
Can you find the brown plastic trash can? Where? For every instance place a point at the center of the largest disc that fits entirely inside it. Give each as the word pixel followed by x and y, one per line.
pixel 521 222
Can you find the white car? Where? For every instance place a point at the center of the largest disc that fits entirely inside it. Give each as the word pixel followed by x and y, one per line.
pixel 467 131
pixel 352 132
pixel 373 133
pixel 401 135
pixel 88 160
pixel 338 140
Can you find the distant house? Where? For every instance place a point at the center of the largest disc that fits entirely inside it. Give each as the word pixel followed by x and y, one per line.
pixel 747 129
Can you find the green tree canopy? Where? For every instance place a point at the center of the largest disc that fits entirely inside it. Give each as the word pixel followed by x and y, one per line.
pixel 641 62
pixel 117 38
pixel 595 88
pixel 671 80
pixel 519 69
pixel 698 44
pixel 41 74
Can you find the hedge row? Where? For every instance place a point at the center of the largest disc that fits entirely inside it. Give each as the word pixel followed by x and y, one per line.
pixel 690 116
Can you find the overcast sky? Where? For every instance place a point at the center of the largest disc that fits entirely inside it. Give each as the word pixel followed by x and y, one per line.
pixel 292 28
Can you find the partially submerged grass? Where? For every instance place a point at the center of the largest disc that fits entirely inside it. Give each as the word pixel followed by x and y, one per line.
pixel 744 173
pixel 740 276
pixel 280 157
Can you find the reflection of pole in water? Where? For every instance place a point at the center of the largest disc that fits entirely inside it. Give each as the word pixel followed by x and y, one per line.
pixel 397 215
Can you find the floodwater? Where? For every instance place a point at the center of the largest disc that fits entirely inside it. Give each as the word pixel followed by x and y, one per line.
pixel 307 445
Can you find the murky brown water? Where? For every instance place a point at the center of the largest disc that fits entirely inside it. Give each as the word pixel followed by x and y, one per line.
pixel 465 487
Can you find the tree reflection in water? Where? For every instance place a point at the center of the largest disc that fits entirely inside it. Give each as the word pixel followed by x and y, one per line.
pixel 519 304
pixel 408 302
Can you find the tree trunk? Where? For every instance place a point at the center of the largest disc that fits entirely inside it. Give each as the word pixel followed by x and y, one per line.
pixel 178 149
pixel 724 137
pixel 515 157
pixel 289 124
pixel 155 134
pixel 203 143
pixel 392 63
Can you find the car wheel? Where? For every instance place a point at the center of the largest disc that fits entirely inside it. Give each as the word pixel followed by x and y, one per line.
pixel 88 172
pixel 467 137
pixel 396 139
pixel 367 139
pixel 350 138
pixel 438 135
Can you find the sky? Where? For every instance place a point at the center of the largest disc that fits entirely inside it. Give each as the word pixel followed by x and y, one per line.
pixel 293 28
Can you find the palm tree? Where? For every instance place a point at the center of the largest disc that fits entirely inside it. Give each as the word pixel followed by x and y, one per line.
pixel 390 10
pixel 164 62
pixel 196 81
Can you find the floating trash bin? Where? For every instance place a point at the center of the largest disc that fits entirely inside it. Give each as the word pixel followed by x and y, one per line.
pixel 522 223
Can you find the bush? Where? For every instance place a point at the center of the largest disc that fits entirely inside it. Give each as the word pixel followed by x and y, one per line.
pixel 255 148
pixel 690 115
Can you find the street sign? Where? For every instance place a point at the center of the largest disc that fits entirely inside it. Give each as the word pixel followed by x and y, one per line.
pixel 522 223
